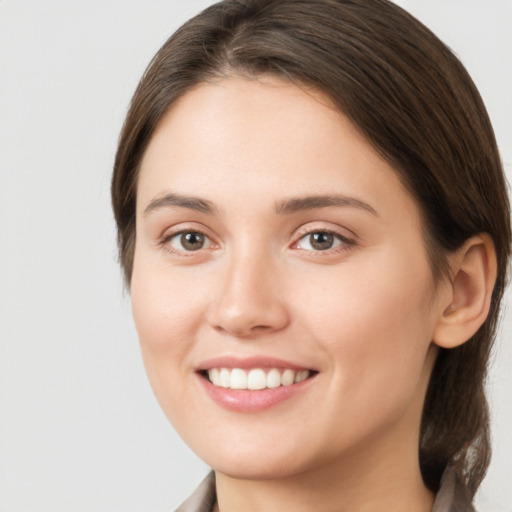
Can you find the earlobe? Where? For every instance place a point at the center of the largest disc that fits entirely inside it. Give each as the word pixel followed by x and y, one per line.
pixel 473 268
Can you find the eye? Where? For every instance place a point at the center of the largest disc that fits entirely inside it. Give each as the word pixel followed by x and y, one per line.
pixel 189 241
pixel 320 241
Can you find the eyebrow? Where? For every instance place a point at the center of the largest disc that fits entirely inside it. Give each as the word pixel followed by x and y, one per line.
pixel 282 207
pixel 171 199
pixel 322 201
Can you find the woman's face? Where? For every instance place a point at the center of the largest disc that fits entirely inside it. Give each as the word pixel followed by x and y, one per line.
pixel 277 250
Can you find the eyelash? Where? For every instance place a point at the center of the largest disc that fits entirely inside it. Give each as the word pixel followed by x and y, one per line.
pixel 345 243
pixel 166 239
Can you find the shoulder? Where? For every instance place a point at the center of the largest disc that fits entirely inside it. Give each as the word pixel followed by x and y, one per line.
pixel 453 495
pixel 203 498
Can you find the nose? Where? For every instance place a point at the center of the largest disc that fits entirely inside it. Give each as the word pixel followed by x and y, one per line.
pixel 250 301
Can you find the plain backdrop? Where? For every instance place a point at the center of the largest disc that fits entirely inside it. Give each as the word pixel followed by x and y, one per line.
pixel 80 430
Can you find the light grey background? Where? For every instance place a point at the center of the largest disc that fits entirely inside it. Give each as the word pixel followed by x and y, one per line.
pixel 79 427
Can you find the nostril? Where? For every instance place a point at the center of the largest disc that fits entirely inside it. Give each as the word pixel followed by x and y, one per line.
pixel 249 319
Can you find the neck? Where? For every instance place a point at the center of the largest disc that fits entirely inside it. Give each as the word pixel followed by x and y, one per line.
pixel 376 480
pixel 400 491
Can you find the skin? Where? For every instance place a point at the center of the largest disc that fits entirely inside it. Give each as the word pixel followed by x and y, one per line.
pixel 362 314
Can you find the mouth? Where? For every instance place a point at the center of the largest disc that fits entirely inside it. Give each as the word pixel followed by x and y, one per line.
pixel 255 379
pixel 252 384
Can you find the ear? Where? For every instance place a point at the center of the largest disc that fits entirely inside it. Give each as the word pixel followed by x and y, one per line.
pixel 468 298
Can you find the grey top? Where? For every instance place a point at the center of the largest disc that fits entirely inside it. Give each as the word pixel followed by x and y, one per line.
pixel 452 496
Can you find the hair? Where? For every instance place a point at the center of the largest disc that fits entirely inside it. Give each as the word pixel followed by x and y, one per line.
pixel 414 102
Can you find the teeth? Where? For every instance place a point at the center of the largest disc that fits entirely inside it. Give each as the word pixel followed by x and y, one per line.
pixel 238 379
pixel 273 378
pixel 224 378
pixel 301 375
pixel 287 378
pixel 256 378
pixel 214 376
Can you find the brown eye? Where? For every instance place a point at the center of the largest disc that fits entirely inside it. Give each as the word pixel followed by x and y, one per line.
pixel 189 241
pixel 320 241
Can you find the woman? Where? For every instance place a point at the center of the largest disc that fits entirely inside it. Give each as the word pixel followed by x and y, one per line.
pixel 314 226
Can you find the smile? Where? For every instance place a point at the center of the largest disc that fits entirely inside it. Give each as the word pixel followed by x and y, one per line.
pixel 256 378
pixel 253 384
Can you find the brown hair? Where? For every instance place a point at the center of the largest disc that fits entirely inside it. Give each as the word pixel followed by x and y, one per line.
pixel 414 101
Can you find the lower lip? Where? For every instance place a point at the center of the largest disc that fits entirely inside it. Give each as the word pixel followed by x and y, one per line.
pixel 244 400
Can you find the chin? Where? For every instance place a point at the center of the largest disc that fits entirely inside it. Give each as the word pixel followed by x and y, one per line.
pixel 260 461
pixel 256 468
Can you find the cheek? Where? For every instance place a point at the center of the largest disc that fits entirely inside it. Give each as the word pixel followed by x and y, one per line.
pixel 376 326
pixel 167 310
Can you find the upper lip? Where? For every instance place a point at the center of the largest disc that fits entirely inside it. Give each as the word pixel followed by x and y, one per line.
pixel 249 362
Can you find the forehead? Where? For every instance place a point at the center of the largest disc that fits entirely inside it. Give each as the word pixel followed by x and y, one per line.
pixel 266 138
